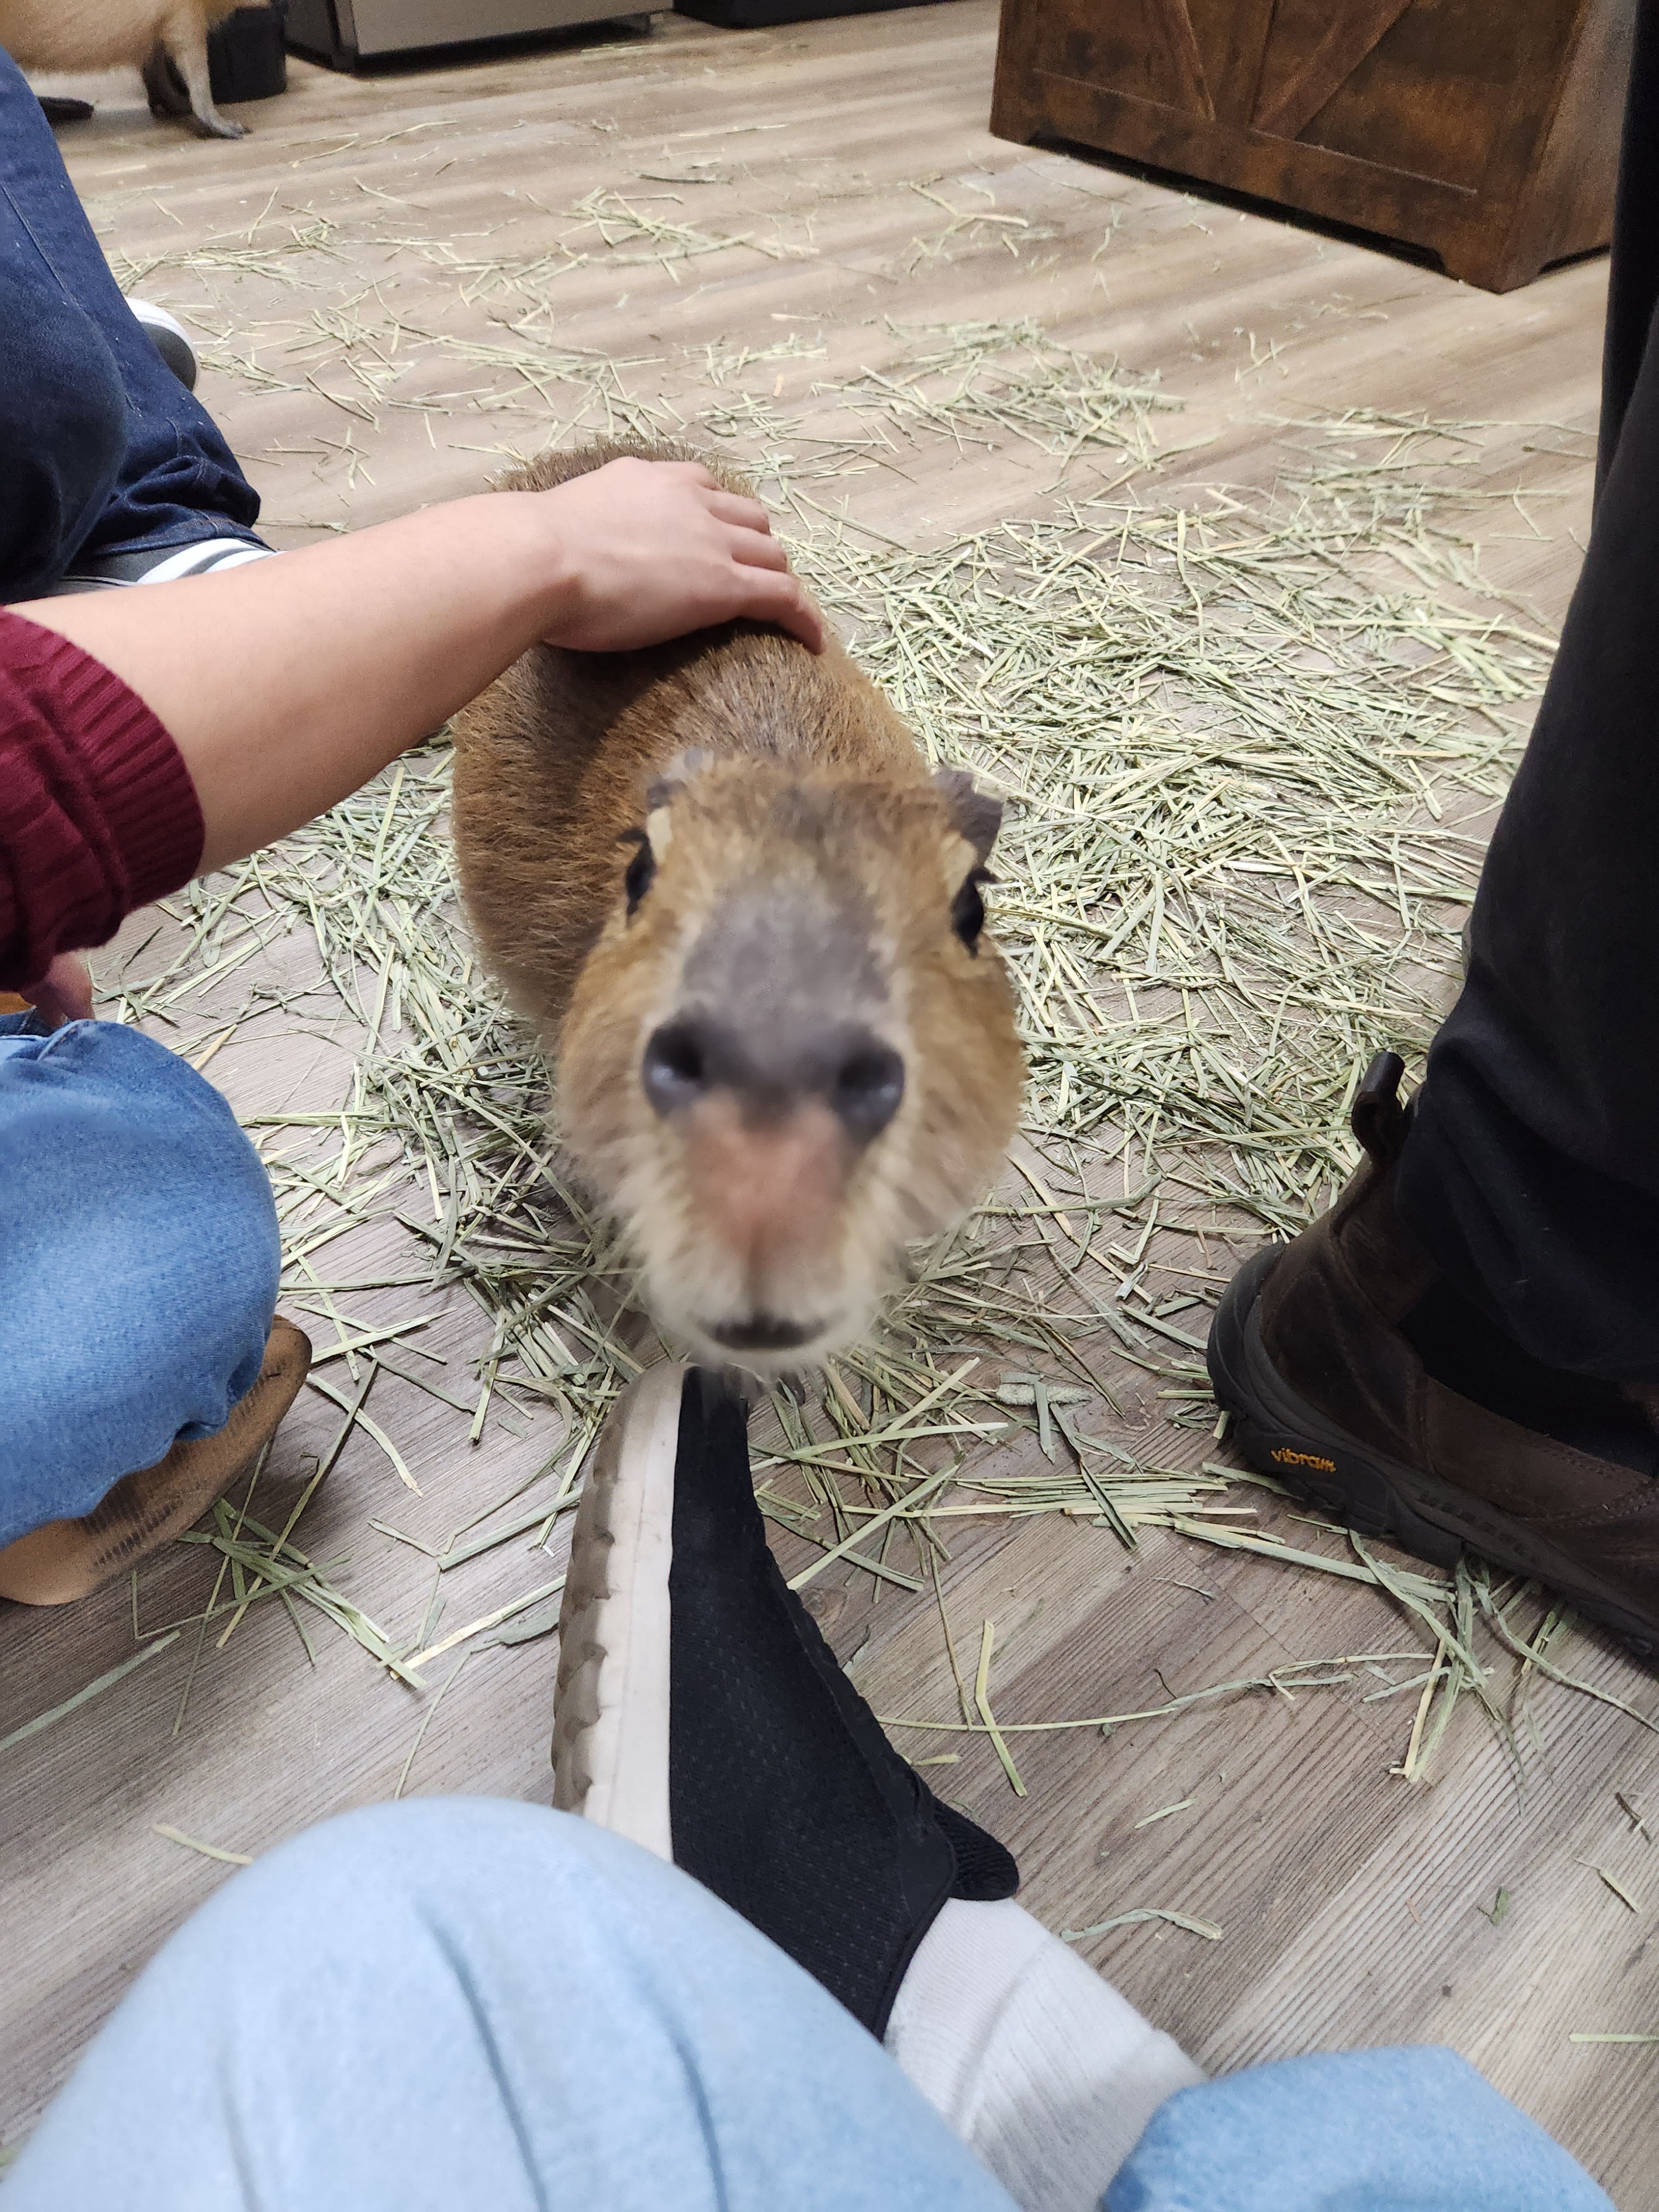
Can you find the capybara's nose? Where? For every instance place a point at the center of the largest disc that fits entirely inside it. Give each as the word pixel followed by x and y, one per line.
pixel 770 1070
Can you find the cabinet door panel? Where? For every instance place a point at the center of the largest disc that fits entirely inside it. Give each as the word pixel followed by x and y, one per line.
pixel 1140 49
pixel 1434 95
pixel 1231 36
pixel 1313 46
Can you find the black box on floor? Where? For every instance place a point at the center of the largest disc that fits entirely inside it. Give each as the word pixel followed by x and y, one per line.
pixel 246 58
pixel 762 15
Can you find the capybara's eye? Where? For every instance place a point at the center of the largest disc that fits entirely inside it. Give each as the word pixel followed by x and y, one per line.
pixel 640 869
pixel 968 908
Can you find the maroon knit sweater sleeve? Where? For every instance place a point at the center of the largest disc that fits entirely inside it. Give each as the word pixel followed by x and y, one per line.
pixel 98 814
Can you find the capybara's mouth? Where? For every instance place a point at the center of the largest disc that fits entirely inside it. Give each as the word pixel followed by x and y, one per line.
pixel 765 1333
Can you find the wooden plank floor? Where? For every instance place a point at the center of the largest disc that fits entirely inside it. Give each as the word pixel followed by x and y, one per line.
pixel 361 359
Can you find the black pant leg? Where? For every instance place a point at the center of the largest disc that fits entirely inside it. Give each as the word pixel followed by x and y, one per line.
pixel 1633 280
pixel 1532 1169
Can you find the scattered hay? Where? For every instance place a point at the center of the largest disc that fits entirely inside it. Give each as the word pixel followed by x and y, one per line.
pixel 1237 748
pixel 240 253
pixel 1250 743
pixel 975 226
pixel 1012 378
pixel 1141 1913
pixel 619 222
pixel 194 1844
pixel 94 1689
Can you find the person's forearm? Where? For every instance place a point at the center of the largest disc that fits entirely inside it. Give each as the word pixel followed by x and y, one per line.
pixel 286 684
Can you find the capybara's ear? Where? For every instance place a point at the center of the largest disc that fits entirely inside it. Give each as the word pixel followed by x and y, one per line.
pixel 975 812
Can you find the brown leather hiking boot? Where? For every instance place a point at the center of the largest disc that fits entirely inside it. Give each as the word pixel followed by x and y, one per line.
pixel 1359 1377
pixel 68 1559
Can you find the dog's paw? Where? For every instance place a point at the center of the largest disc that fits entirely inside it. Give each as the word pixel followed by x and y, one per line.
pixel 217 126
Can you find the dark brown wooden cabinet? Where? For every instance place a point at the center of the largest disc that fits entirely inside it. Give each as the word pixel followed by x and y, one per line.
pixel 1486 131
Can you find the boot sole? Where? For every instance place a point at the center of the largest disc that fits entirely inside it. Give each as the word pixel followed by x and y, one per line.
pixel 1281 1434
pixel 611 1708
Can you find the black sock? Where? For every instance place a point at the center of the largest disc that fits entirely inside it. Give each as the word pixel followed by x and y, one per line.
pixel 785 1798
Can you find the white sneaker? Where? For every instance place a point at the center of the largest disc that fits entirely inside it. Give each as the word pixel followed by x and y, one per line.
pixel 171 340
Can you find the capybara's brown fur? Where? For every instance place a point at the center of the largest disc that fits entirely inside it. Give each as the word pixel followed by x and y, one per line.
pixel 719 877
pixel 103 34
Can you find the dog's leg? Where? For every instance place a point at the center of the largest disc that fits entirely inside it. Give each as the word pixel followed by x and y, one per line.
pixel 185 41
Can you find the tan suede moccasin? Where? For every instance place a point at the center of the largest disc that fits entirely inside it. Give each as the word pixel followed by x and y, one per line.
pixel 69 1559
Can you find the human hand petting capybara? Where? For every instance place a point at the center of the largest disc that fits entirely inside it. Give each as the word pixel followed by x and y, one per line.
pixel 748 921
pixel 658 541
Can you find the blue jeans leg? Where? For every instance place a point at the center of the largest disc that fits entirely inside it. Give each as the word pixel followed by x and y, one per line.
pixel 138 1263
pixel 463 2003
pixel 102 450
pixel 1412 2130
pixel 63 418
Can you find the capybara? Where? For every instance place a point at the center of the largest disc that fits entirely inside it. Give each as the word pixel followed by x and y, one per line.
pixel 747 921
pixel 101 35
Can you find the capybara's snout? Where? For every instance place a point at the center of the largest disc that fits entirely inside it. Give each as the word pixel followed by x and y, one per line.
pixel 770 1071
pixel 769 1121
